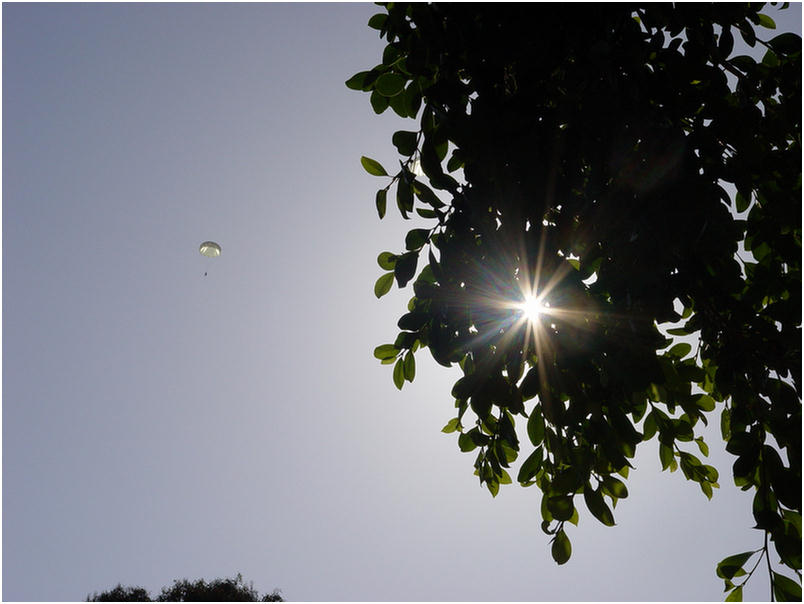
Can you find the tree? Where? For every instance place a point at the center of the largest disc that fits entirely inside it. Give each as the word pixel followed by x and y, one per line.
pixel 219 590
pixel 605 187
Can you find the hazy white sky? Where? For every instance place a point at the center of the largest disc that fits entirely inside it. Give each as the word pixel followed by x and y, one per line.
pixel 161 424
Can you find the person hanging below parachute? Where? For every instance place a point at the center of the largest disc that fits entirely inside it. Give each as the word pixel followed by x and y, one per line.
pixel 210 249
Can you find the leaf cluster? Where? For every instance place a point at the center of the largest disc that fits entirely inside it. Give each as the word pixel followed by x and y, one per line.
pixel 592 163
pixel 218 590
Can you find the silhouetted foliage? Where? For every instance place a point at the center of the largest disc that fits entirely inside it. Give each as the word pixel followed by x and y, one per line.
pixel 621 166
pixel 121 594
pixel 219 590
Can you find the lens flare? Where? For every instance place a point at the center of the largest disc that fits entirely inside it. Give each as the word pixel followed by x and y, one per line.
pixel 533 307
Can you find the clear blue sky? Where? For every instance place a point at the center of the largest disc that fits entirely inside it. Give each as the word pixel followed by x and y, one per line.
pixel 161 424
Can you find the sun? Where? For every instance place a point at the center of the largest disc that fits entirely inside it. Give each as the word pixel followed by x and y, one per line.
pixel 533 307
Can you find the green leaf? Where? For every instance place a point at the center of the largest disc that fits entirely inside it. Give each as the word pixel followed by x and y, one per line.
pixel 678 331
pixel 383 284
pixel 665 456
pixel 766 21
pixel 493 486
pixel 465 441
pixel 560 506
pixel 381 202
pixel 390 84
pixel 413 321
pixel 378 102
pixel 373 167
pixel 728 567
pixel 405 142
pixel 358 81
pixel 416 238
pixel 742 202
pixel 405 268
pixel 386 351
pixel 410 366
pixel 726 42
pixel 597 505
pixel 770 59
pixel 536 426
pixel 649 427
pixel 748 34
pixel 705 402
pixel 725 424
pixel 426 195
pixel 530 466
pixel 614 487
pixel 530 385
pixel 377 21
pixel 680 350
pixel 561 548
pixel 787 43
pixel 387 260
pixel 702 446
pixel 399 374
pixel 452 425
pixel 404 197
pixel 736 595
pixel 785 589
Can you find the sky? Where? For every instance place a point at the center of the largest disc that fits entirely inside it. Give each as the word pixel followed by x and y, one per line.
pixel 161 424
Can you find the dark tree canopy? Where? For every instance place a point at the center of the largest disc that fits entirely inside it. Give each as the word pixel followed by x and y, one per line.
pixel 218 590
pixel 617 171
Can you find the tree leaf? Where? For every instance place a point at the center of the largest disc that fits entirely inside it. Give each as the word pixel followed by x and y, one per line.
pixel 787 43
pixel 410 366
pixel 378 102
pixel 399 374
pixel 680 350
pixel 387 261
pixel 530 385
pixel 381 202
pixel 404 197
pixel 615 487
pixel 426 195
pixel 665 456
pixel 452 425
pixel 736 595
pixel 705 402
pixel 785 589
pixel 727 567
pixel 358 81
pixel 416 238
pixel 383 285
pixel 597 505
pixel 770 59
pixel 386 351
pixel 536 426
pixel 373 167
pixel 405 268
pixel 405 142
pixel 530 467
pixel 741 202
pixel 465 441
pixel 766 21
pixel 561 548
pixel 726 42
pixel 390 84
pixel 560 506
pixel 377 21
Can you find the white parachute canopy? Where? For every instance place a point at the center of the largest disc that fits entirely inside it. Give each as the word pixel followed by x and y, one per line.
pixel 210 249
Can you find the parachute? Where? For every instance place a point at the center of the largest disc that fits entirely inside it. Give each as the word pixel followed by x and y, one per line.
pixel 210 249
